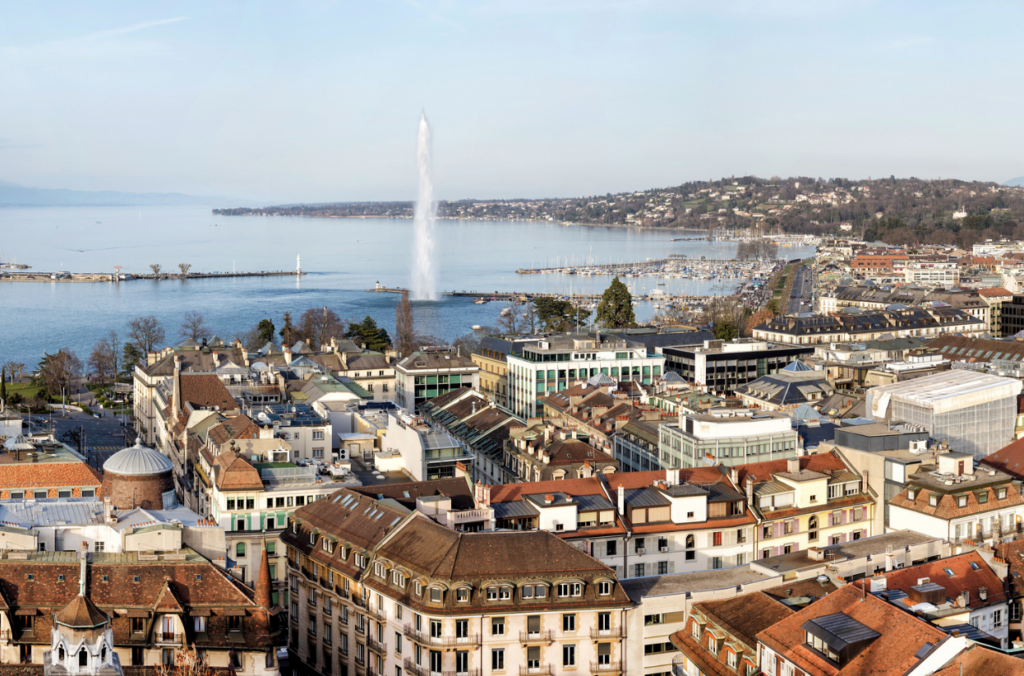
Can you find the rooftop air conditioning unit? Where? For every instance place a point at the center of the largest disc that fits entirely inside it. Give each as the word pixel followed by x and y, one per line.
pixel 641 550
pixel 663 549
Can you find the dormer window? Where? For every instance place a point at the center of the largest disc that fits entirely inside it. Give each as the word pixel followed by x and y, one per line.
pixel 604 588
pixel 838 637
pixel 1001 494
pixel 295 528
pixel 933 500
pixel 436 595
pixel 418 588
pixel 695 629
pixel 462 595
pixel 380 570
pixel 961 501
pixel 910 494
pixel 328 546
pixel 398 579
pixel 312 538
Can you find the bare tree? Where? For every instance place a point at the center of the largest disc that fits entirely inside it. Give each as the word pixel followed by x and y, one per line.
pixel 15 369
pixel 251 339
pixel 145 333
pixel 156 268
pixel 58 370
pixel 194 327
pixel 105 358
pixel 187 662
pixel 405 332
pixel 318 325
pixel 184 267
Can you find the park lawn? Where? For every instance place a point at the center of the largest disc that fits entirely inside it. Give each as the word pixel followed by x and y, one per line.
pixel 26 390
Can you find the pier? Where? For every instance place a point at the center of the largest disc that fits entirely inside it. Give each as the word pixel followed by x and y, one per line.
pixel 80 277
pixel 387 289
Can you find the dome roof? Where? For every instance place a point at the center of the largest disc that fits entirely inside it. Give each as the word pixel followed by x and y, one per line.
pixel 138 461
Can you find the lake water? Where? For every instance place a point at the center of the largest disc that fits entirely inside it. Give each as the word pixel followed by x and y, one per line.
pixel 343 257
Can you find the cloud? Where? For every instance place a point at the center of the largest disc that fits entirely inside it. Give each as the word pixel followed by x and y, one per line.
pixel 134 28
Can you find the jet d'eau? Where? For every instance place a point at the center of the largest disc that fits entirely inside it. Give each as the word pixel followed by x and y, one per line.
pixel 424 274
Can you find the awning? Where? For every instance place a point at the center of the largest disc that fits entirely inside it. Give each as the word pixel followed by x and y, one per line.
pixel 26 611
pixel 200 612
pixel 232 612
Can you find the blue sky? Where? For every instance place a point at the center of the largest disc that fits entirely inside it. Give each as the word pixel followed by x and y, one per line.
pixel 311 101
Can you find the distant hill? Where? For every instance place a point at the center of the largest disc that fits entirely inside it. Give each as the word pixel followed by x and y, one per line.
pixel 1017 182
pixel 14 195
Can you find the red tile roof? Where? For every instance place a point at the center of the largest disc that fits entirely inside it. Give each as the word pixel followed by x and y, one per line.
pixel 1009 458
pixel 819 462
pixel 983 662
pixel 206 391
pixel 947 507
pixel 512 492
pixel 891 654
pixel 964 578
pixel 997 291
pixel 48 475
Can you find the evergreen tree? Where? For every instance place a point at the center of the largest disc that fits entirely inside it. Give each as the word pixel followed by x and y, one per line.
pixel 369 334
pixel 287 331
pixel 266 331
pixel 616 308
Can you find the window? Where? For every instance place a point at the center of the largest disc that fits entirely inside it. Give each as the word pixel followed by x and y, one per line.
pixel 199 623
pixel 997 619
pixel 639 546
pixel 712 644
pixel 568 655
pixel 662 567
pixel 235 623
pixel 610 548
pixel 240 550
pixel 1001 494
pixel 435 595
pixel 398 643
pixel 497 659
pixel 569 622
pixel 933 500
pixel 604 588
pixel 462 595
pixel 137 625
pixel 638 570
pixel 497 626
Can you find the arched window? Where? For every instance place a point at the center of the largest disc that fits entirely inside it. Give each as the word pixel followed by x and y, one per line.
pixel 83 658
pixel 240 549
pixel 103 653
pixel 689 542
pixel 60 653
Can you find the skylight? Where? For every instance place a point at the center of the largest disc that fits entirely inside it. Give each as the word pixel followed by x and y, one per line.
pixel 949 571
pixel 975 565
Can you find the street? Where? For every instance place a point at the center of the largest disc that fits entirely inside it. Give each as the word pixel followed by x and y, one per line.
pixel 803 285
pixel 103 437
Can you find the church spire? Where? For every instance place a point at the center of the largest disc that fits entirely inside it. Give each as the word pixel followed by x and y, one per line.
pixel 264 585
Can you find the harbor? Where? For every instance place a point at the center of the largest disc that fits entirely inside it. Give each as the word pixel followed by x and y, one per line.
pixel 64 276
pixel 673 267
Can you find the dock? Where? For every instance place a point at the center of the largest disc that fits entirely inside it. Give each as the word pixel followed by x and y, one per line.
pixel 82 277
pixel 387 289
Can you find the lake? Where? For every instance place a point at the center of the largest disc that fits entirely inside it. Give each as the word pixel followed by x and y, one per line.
pixel 343 257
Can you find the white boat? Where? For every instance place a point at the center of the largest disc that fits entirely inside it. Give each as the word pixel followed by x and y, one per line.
pixel 506 312
pixel 480 301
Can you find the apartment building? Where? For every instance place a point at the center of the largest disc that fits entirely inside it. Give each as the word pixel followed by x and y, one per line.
pixel 856 325
pixel 492 358
pixel 430 373
pixel 376 589
pixel 727 436
pixel 721 367
pixel 556 362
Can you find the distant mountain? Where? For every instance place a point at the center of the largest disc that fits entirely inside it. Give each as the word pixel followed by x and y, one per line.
pixel 14 195
pixel 1019 181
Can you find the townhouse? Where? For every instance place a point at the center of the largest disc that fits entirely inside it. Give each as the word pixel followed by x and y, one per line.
pixel 378 589
pixel 855 325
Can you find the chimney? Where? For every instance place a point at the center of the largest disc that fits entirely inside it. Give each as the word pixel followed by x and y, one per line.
pixel 734 476
pixel 983 593
pixel 287 354
pixel 108 515
pixel 81 569
pixel 750 492
pixel 176 386
pixel 548 499
pixel 483 495
pixel 793 465
pixel 216 359
pixel 150 358
pixel 622 499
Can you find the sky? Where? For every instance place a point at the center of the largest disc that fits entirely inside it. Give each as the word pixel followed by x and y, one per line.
pixel 309 101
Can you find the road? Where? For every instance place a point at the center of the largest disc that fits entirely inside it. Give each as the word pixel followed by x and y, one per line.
pixel 103 437
pixel 803 285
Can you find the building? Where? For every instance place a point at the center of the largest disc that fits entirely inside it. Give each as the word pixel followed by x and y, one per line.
pixel 1012 315
pixel 542 453
pixel 250 496
pixel 409 444
pixel 878 264
pixel 105 614
pixel 854 325
pixel 935 273
pixel 848 633
pixel 975 413
pixel 720 636
pixel 478 424
pixel 995 298
pixel 958 591
pixel 722 366
pixel 41 467
pixel 787 390
pixel 727 436
pixel 948 498
pixel 379 588
pixel 635 445
pixel 308 435
pixel 555 362
pixel 430 373
pixel 492 359
pixel 805 502
pixel 872 297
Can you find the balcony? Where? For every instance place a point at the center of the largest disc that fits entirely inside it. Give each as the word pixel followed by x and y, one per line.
pixel 613 633
pixel 360 628
pixel 464 672
pixel 613 667
pixel 342 593
pixel 360 661
pixel 376 646
pixel 414 669
pixel 358 601
pixel 467 641
pixel 538 670
pixel 546 636
pixel 293 565
pixel 168 638
pixel 377 613
pixel 309 575
pixel 326 585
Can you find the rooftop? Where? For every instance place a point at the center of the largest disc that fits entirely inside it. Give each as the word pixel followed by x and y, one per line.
pixel 639 588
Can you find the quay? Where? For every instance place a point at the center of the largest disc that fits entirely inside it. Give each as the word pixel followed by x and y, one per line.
pixel 386 289
pixel 79 277
pixel 525 297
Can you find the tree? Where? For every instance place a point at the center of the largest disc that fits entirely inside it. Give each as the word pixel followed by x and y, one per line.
pixel 57 370
pixel 184 267
pixel 552 314
pixel 156 268
pixel 318 325
pixel 3 384
pixel 194 327
pixel 369 334
pixel 265 331
pixel 724 330
pixel 105 358
pixel 15 368
pixel 72 437
pixel 405 330
pixel 616 307
pixel 187 662
pixel 146 333
pixel 760 317
pixel 130 356
pixel 288 336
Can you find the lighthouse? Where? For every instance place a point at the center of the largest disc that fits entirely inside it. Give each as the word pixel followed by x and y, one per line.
pixel 298 265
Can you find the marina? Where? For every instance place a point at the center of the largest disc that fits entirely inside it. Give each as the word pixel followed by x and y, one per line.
pixel 673 267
